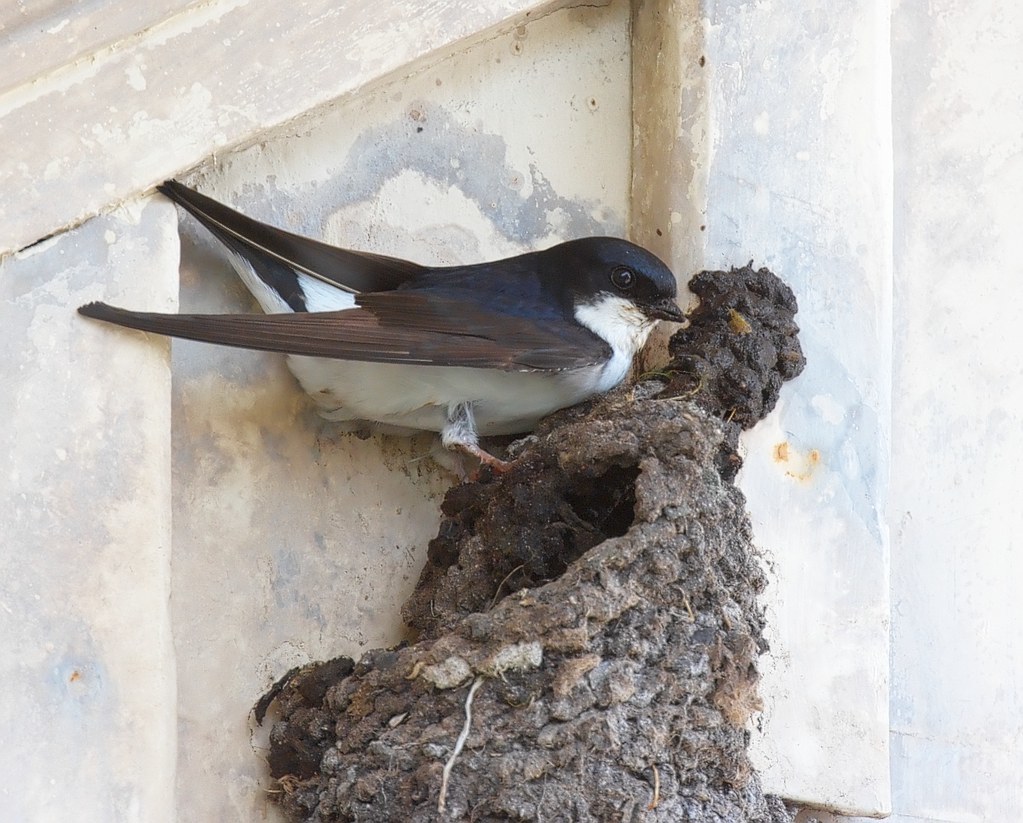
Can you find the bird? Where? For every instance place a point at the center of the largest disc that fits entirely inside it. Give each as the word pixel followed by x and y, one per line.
pixel 399 347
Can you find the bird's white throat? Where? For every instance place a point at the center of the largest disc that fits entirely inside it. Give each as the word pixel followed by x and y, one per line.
pixel 617 321
pixel 625 328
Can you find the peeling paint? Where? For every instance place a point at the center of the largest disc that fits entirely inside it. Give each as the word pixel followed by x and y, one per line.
pixel 135 78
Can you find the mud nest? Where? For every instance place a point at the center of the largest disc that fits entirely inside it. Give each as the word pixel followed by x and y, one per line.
pixel 594 610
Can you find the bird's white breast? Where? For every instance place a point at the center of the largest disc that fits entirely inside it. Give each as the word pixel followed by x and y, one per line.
pixel 418 397
pixel 414 396
pixel 505 402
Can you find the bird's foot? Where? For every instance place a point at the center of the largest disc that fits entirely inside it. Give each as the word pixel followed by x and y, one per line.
pixel 466 461
pixel 459 434
pixel 496 464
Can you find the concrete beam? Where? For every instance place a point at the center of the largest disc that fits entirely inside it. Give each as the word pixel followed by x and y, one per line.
pixel 97 131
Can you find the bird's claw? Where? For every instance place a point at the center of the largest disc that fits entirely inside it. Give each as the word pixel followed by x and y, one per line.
pixel 497 466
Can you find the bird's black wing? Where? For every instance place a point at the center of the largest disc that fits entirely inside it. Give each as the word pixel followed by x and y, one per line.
pixel 391 327
pixel 353 271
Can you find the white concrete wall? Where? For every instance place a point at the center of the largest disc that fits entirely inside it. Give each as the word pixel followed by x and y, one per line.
pixel 957 648
pixel 799 180
pixel 87 717
pixel 957 559
pixel 115 658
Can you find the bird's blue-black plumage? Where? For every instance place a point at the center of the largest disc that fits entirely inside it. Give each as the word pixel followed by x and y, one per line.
pixel 562 325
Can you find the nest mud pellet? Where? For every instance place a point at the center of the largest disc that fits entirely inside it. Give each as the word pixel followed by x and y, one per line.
pixel 598 602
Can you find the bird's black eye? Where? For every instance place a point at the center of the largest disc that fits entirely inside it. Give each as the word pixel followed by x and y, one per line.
pixel 622 278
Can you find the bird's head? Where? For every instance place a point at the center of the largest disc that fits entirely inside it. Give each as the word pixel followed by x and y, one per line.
pixel 594 269
pixel 617 289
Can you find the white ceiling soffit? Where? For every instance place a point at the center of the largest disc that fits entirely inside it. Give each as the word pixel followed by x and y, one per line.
pixel 105 109
pixel 38 37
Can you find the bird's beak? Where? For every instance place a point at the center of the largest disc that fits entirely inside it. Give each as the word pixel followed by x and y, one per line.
pixel 665 310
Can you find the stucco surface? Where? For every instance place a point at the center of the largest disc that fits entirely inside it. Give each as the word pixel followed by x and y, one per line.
pixel 799 180
pixel 87 722
pixel 523 140
pixel 957 653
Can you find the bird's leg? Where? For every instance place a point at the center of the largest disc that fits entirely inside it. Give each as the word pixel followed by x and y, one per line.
pixel 460 433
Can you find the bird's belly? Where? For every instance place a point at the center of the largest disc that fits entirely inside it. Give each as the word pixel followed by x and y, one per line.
pixel 418 397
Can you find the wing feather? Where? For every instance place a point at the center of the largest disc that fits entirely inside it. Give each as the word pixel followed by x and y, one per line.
pixel 390 327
